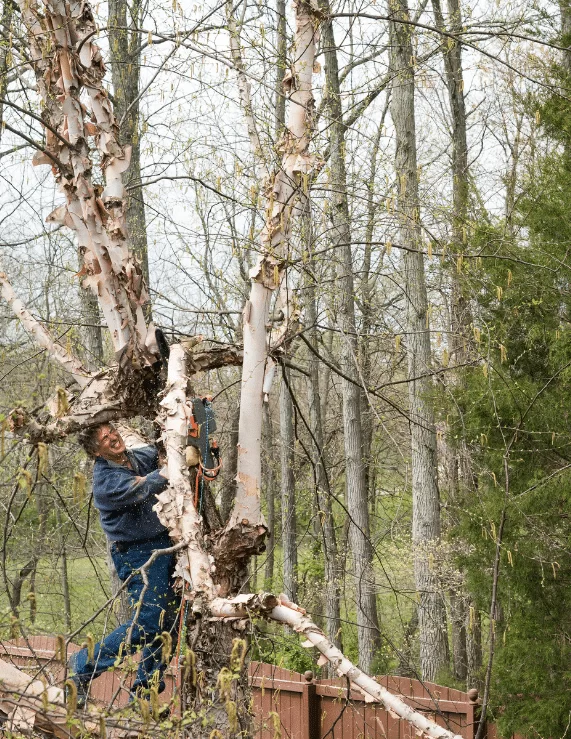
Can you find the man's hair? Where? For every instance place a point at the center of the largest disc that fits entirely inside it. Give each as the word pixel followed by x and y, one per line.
pixel 88 438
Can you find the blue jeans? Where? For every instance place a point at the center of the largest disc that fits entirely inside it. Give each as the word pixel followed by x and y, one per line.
pixel 158 614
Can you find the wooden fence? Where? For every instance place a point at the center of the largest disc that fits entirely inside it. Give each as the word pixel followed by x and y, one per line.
pixel 287 704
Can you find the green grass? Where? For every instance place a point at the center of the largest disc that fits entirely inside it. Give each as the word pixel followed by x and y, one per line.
pixel 89 590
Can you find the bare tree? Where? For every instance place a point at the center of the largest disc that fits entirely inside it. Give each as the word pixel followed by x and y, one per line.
pixel 426 499
pixel 289 543
pixel 356 491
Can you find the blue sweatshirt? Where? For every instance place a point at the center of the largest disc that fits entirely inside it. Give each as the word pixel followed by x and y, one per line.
pixel 125 506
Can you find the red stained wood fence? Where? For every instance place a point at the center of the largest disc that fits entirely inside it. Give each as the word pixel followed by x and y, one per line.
pixel 286 704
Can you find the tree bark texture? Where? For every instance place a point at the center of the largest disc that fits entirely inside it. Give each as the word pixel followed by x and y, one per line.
pixel 91 331
pixel 326 522
pixel 5 54
pixel 97 217
pixel 230 469
pixel 287 489
pixel 426 501
pixel 458 463
pixel 125 20
pixel 281 195
pixel 281 65
pixel 356 492
pixel 367 291
pixel 270 495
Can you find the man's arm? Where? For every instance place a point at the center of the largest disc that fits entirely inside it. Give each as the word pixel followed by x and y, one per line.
pixel 120 487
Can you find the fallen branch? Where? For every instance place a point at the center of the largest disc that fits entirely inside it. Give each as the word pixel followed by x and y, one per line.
pixel 284 612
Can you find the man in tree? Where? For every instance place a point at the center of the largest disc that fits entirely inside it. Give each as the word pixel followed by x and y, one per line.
pixel 125 484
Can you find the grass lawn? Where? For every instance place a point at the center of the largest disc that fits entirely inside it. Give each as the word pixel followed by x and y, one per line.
pixel 89 589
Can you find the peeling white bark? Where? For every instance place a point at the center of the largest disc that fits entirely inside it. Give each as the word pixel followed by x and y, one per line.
pixel 23 699
pixel 98 218
pixel 288 613
pixel 175 506
pixel 282 192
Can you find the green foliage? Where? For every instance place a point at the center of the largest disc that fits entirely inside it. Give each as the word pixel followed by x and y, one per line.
pixel 514 416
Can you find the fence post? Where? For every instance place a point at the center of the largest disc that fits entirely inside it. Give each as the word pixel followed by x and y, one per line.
pixel 472 713
pixel 309 708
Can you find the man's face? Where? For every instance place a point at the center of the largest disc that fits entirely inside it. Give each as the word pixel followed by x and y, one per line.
pixel 110 445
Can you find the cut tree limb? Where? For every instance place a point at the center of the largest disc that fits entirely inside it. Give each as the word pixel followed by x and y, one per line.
pixel 283 611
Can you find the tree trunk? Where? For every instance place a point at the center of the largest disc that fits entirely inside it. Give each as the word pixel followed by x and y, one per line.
pixel 281 65
pixel 474 677
pixel 230 469
pixel 426 502
pixel 64 571
pixel 287 489
pixel 270 494
pixel 458 624
pixel 125 20
pixel 5 52
pixel 356 492
pixel 325 519
pixel 459 463
pixel 267 275
pixel 367 291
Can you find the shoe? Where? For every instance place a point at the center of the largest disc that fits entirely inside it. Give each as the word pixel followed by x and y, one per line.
pixel 82 691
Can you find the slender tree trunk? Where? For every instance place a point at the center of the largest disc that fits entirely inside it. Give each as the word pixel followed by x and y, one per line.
pixel 5 52
pixel 426 502
pixel 16 595
pixel 230 468
pixel 356 492
pixel 367 289
pixel 125 18
pixel 474 677
pixel 281 64
pixel 459 463
pixel 64 571
pixel 32 596
pixel 91 330
pixel 287 460
pixel 326 522
pixel 458 624
pixel 270 492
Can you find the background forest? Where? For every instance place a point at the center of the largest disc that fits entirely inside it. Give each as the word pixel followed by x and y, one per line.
pixel 417 445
